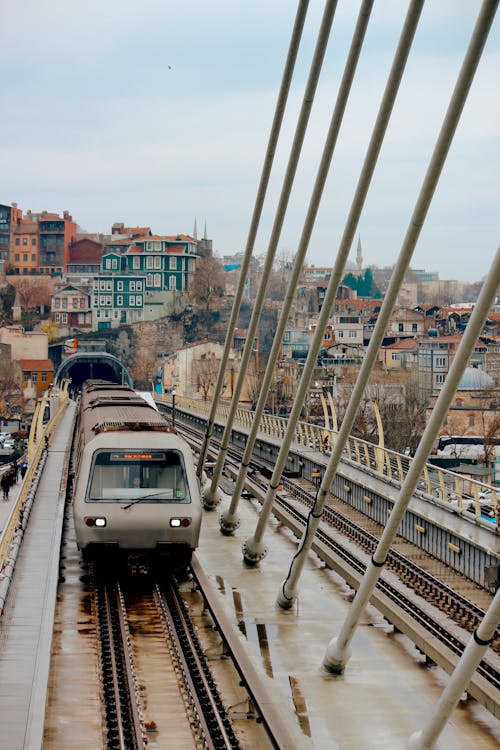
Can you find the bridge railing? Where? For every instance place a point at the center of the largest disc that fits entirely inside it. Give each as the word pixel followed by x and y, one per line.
pixel 13 532
pixel 437 483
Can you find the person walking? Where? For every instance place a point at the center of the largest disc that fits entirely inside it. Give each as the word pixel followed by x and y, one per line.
pixel 23 469
pixel 6 484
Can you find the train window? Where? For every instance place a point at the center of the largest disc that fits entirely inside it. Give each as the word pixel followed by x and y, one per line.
pixel 149 476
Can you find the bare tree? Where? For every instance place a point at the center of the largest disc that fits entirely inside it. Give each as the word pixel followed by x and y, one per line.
pixel 11 392
pixel 206 371
pixel 33 293
pixel 208 282
pixel 491 439
pixel 253 382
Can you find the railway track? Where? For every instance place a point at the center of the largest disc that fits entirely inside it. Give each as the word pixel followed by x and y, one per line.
pixel 459 608
pixel 195 702
pixel 462 615
pixel 173 699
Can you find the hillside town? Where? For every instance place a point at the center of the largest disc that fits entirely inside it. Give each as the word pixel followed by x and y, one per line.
pixel 160 303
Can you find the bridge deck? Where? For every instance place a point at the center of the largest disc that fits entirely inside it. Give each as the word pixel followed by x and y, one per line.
pixel 26 625
pixel 383 697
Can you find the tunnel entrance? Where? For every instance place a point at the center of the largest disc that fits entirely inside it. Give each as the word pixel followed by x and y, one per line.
pixel 95 365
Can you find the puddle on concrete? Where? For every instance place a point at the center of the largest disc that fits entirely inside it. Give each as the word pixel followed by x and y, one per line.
pixel 220 584
pixel 300 706
pixel 258 634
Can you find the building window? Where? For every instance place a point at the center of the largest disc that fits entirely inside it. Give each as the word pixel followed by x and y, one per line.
pixel 119 286
pixel 44 377
pixel 25 241
pixel 34 377
pixel 17 240
pixel 25 257
pixel 149 279
pixel 157 262
pixel 440 361
pixel 64 318
pixel 340 334
pixel 17 257
pixel 131 300
pixel 395 357
pixel 33 240
pixel 33 258
pixel 414 327
pixel 57 303
pixel 136 262
pixel 471 420
pixel 57 317
pixel 138 286
pixel 150 262
pixel 26 377
pixel 439 379
pixel 109 286
pixel 401 327
pixel 119 300
pixel 171 284
pixel 157 279
pixel 352 334
pixel 172 264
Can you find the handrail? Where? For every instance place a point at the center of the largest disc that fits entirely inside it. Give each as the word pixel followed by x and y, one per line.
pixel 436 482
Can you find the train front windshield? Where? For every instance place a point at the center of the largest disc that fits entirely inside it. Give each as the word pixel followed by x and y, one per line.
pixel 149 476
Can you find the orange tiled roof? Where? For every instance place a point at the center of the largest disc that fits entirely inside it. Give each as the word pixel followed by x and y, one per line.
pixel 409 343
pixel 26 227
pixel 40 365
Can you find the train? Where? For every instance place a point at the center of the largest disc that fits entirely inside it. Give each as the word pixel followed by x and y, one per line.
pixel 136 495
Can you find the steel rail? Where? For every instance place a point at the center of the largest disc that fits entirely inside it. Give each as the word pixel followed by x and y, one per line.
pixel 215 724
pixel 369 542
pixel 124 727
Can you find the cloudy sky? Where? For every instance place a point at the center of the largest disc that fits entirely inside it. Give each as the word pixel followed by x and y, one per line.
pixel 157 113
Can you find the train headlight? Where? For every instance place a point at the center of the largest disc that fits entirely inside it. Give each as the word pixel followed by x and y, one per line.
pixel 177 522
pixel 100 522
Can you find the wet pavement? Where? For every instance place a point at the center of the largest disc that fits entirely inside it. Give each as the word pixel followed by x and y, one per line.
pixel 387 690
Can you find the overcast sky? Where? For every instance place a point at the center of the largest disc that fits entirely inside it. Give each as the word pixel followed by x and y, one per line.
pixel 157 113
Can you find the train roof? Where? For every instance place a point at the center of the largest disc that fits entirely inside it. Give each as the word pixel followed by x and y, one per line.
pixel 106 407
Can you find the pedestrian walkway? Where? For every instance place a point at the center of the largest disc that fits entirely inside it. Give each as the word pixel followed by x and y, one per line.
pixel 7 505
pixel 27 622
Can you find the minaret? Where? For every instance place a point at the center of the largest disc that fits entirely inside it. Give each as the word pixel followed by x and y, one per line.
pixel 16 308
pixel 205 235
pixel 195 230
pixel 359 257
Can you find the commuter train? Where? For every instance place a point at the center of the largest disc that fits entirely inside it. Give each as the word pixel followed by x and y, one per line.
pixel 136 493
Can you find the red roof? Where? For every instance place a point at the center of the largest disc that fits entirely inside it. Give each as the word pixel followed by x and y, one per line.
pixel 85 251
pixel 403 344
pixel 40 365
pixel 26 227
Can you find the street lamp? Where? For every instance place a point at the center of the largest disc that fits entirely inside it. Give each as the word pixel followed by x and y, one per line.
pixel 173 408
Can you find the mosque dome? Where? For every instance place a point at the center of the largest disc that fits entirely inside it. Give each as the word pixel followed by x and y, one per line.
pixel 475 379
